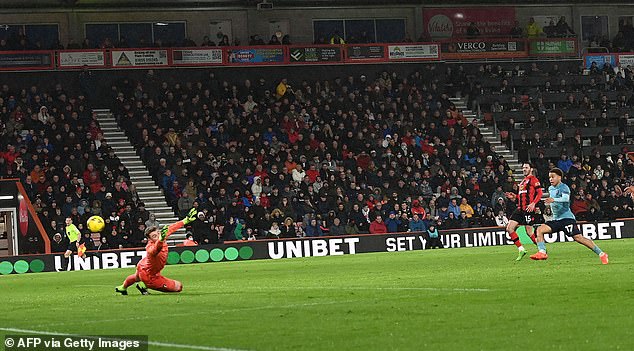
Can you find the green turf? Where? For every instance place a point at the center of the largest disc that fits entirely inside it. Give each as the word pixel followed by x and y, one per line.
pixel 460 299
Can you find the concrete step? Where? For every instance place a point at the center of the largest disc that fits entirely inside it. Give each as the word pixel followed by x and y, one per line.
pixel 155 203
pixel 152 198
pixel 143 178
pixel 134 165
pixel 114 137
pixel 143 182
pixel 163 209
pixel 162 213
pixel 119 148
pixel 166 218
pixel 158 197
pixel 151 192
pixel 168 215
pixel 144 188
pixel 172 218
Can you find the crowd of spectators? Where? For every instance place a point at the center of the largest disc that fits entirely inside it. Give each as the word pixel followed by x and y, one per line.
pixel 342 155
pixel 52 142
pixel 601 101
pixel 264 159
pixel 556 113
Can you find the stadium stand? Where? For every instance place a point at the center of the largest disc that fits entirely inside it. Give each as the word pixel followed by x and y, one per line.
pixel 333 148
pixel 52 142
pixel 266 158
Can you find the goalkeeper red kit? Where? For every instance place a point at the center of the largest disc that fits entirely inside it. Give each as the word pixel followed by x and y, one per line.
pixel 149 269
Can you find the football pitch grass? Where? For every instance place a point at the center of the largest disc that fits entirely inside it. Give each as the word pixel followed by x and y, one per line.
pixel 457 299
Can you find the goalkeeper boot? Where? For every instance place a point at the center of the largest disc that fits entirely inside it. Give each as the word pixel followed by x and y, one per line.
pixel 521 255
pixel 604 258
pixel 540 256
pixel 142 288
pixel 121 290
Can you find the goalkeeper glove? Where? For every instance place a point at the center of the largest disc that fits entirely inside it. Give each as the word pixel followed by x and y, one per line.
pixel 191 216
pixel 164 232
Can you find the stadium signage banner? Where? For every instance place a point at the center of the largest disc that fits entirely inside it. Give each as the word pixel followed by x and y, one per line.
pixel 26 60
pixel 75 59
pixel 304 247
pixel 189 57
pixel 553 47
pixel 309 54
pixel 466 49
pixel 626 60
pixel 599 59
pixel 256 55
pixel 139 58
pixel 413 52
pixel 312 247
pixel 365 52
pixel 444 23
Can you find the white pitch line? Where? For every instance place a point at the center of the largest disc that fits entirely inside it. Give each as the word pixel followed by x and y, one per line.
pixel 194 313
pixel 153 343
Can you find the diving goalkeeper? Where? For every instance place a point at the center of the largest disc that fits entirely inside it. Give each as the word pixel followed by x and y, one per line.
pixel 148 271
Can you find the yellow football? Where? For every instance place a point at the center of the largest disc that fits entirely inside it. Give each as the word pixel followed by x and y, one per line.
pixel 95 224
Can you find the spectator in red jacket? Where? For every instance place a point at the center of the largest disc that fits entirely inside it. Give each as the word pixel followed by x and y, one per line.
pixel 378 226
pixel 418 209
pixel 92 178
pixel 579 206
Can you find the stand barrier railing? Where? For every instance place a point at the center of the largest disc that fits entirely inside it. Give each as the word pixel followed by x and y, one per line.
pixel 454 49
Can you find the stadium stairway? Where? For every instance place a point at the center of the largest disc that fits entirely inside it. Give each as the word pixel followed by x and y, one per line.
pixel 493 137
pixel 151 195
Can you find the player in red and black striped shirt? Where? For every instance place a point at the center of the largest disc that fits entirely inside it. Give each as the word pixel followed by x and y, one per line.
pixel 528 195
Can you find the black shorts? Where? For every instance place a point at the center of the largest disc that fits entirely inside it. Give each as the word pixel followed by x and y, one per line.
pixel 72 246
pixel 523 217
pixel 567 225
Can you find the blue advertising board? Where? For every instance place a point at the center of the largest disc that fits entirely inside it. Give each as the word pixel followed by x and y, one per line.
pixel 256 55
pixel 599 59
